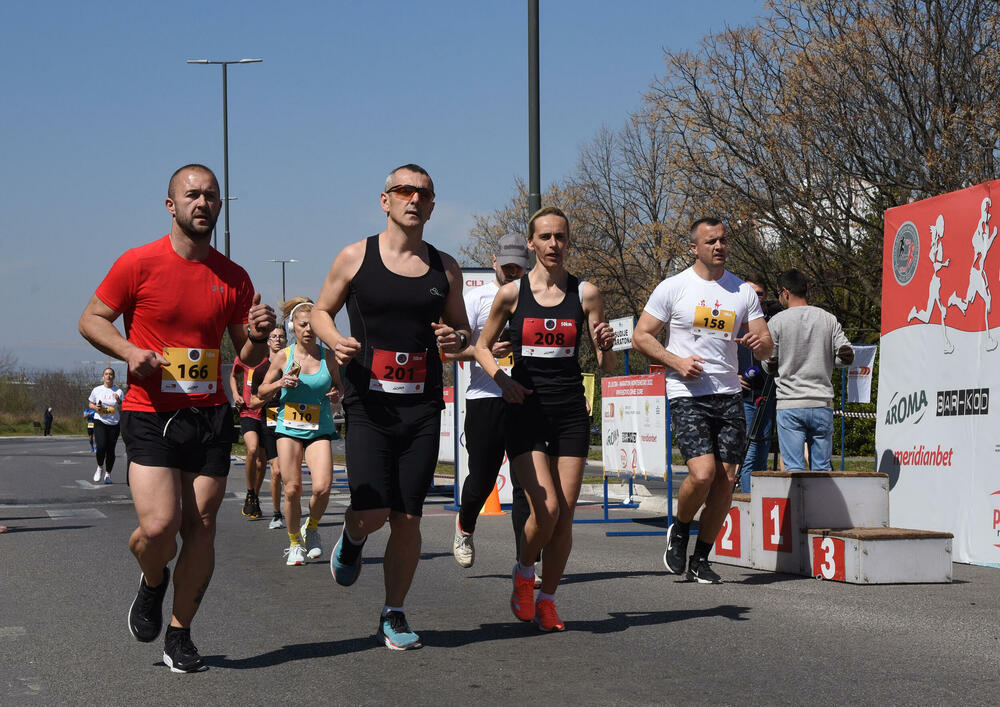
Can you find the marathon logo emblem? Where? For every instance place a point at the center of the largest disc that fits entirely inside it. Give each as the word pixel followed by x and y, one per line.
pixel 194 354
pixel 613 437
pixel 402 358
pixel 903 407
pixel 971 401
pixel 550 324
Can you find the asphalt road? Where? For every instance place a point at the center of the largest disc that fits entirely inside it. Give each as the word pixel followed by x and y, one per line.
pixel 635 634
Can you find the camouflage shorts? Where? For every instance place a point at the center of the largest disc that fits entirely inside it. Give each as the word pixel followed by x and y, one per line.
pixel 709 424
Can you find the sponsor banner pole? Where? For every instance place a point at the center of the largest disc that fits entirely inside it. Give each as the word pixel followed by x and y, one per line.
pixel 843 418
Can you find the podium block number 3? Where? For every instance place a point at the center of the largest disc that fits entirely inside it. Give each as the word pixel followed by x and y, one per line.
pixel 777 524
pixel 727 542
pixel 828 558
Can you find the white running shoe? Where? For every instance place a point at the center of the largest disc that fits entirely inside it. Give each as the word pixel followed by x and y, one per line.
pixel 312 541
pixel 276 522
pixel 295 555
pixel 98 474
pixel 462 547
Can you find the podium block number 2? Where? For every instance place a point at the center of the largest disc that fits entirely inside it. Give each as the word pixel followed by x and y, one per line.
pixel 727 542
pixel 828 558
pixel 777 524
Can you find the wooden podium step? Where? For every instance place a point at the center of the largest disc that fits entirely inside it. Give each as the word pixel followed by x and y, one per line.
pixel 879 555
pixel 732 544
pixel 786 502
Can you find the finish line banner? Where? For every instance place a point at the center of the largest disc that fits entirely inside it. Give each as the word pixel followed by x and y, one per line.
pixel 634 425
pixel 939 363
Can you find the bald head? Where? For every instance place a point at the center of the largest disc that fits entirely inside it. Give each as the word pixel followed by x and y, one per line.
pixel 179 174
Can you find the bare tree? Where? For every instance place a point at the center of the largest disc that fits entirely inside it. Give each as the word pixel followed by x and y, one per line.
pixel 803 129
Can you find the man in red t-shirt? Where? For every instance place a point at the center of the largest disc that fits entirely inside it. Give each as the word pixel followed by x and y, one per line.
pixel 178 296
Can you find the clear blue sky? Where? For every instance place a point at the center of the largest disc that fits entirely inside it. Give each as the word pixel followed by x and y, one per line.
pixel 99 107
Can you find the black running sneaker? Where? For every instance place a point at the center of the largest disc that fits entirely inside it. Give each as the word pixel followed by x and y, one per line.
pixel 145 616
pixel 179 652
pixel 255 513
pixel 674 557
pixel 248 505
pixel 700 570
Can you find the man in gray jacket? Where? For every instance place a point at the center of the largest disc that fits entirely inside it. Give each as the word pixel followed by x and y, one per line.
pixel 808 343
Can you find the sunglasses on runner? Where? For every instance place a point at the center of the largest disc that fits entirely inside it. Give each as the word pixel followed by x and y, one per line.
pixel 407 191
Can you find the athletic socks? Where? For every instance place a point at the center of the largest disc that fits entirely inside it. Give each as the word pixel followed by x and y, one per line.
pixel 542 596
pixel 350 548
pixel 526 571
pixel 386 609
pixel 701 549
pixel 682 528
pixel 313 523
pixel 294 538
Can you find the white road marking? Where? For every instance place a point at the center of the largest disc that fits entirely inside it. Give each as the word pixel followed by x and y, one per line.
pixel 76 513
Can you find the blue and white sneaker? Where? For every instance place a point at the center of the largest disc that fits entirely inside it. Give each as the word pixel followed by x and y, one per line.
pixel 396 633
pixel 345 574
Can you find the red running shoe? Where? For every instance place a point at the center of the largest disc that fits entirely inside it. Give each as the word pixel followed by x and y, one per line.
pixel 522 599
pixel 546 616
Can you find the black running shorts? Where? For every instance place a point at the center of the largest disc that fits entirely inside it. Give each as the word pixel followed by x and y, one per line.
pixel 194 440
pixel 560 430
pixel 709 424
pixel 391 455
pixel 265 435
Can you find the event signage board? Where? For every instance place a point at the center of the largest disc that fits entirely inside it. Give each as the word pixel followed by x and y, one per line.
pixel 624 328
pixel 446 450
pixel 634 425
pixel 936 436
pixel 859 374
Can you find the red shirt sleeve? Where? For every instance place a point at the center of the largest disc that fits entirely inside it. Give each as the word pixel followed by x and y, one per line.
pixel 117 290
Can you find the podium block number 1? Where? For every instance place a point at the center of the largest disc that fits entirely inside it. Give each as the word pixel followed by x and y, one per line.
pixel 828 558
pixel 727 542
pixel 777 524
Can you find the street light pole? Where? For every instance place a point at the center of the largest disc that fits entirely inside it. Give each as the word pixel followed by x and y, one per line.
pixel 225 133
pixel 279 260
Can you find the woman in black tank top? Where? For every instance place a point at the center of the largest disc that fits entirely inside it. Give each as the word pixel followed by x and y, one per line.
pixel 550 314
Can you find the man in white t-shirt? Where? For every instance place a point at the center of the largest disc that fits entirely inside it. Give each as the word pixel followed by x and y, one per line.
pixel 703 310
pixel 485 408
pixel 106 402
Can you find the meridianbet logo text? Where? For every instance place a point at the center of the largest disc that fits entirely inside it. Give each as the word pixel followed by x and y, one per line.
pixel 971 401
pixel 902 407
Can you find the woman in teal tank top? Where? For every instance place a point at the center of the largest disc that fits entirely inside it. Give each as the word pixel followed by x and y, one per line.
pixel 308 380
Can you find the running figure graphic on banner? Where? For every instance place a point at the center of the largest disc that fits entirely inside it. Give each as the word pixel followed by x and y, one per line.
pixel 934 290
pixel 981 243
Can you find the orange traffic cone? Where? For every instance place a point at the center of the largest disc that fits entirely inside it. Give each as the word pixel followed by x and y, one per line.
pixel 492 505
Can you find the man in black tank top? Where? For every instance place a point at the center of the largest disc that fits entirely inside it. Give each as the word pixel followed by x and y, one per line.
pixel 397 289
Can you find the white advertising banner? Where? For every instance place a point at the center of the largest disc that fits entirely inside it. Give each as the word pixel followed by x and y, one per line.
pixel 624 327
pixel 935 436
pixel 634 425
pixel 473 277
pixel 859 375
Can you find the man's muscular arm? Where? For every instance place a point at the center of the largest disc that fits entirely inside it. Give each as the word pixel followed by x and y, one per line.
pixel 645 342
pixel 97 326
pixel 331 300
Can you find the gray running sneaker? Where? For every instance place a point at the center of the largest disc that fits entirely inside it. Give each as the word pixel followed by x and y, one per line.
pixel 311 539
pixel 463 547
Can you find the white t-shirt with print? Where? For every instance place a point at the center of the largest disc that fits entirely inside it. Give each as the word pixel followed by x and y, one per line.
pixel 478 303
pixel 703 318
pixel 109 401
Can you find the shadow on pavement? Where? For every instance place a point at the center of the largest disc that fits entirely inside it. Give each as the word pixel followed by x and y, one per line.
pixel 298 651
pixel 15 529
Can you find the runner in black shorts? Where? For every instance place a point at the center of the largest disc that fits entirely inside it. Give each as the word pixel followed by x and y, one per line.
pixel 276 342
pixel 178 296
pixel 704 310
pixel 396 288
pixel 550 314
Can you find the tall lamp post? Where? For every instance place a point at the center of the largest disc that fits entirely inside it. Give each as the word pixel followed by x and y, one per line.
pixel 279 260
pixel 225 132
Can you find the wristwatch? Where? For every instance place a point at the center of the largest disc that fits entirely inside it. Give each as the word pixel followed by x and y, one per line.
pixel 462 339
pixel 254 340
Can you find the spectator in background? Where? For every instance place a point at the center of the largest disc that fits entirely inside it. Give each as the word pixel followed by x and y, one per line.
pixel 808 343
pixel 752 382
pixel 89 415
pixel 47 419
